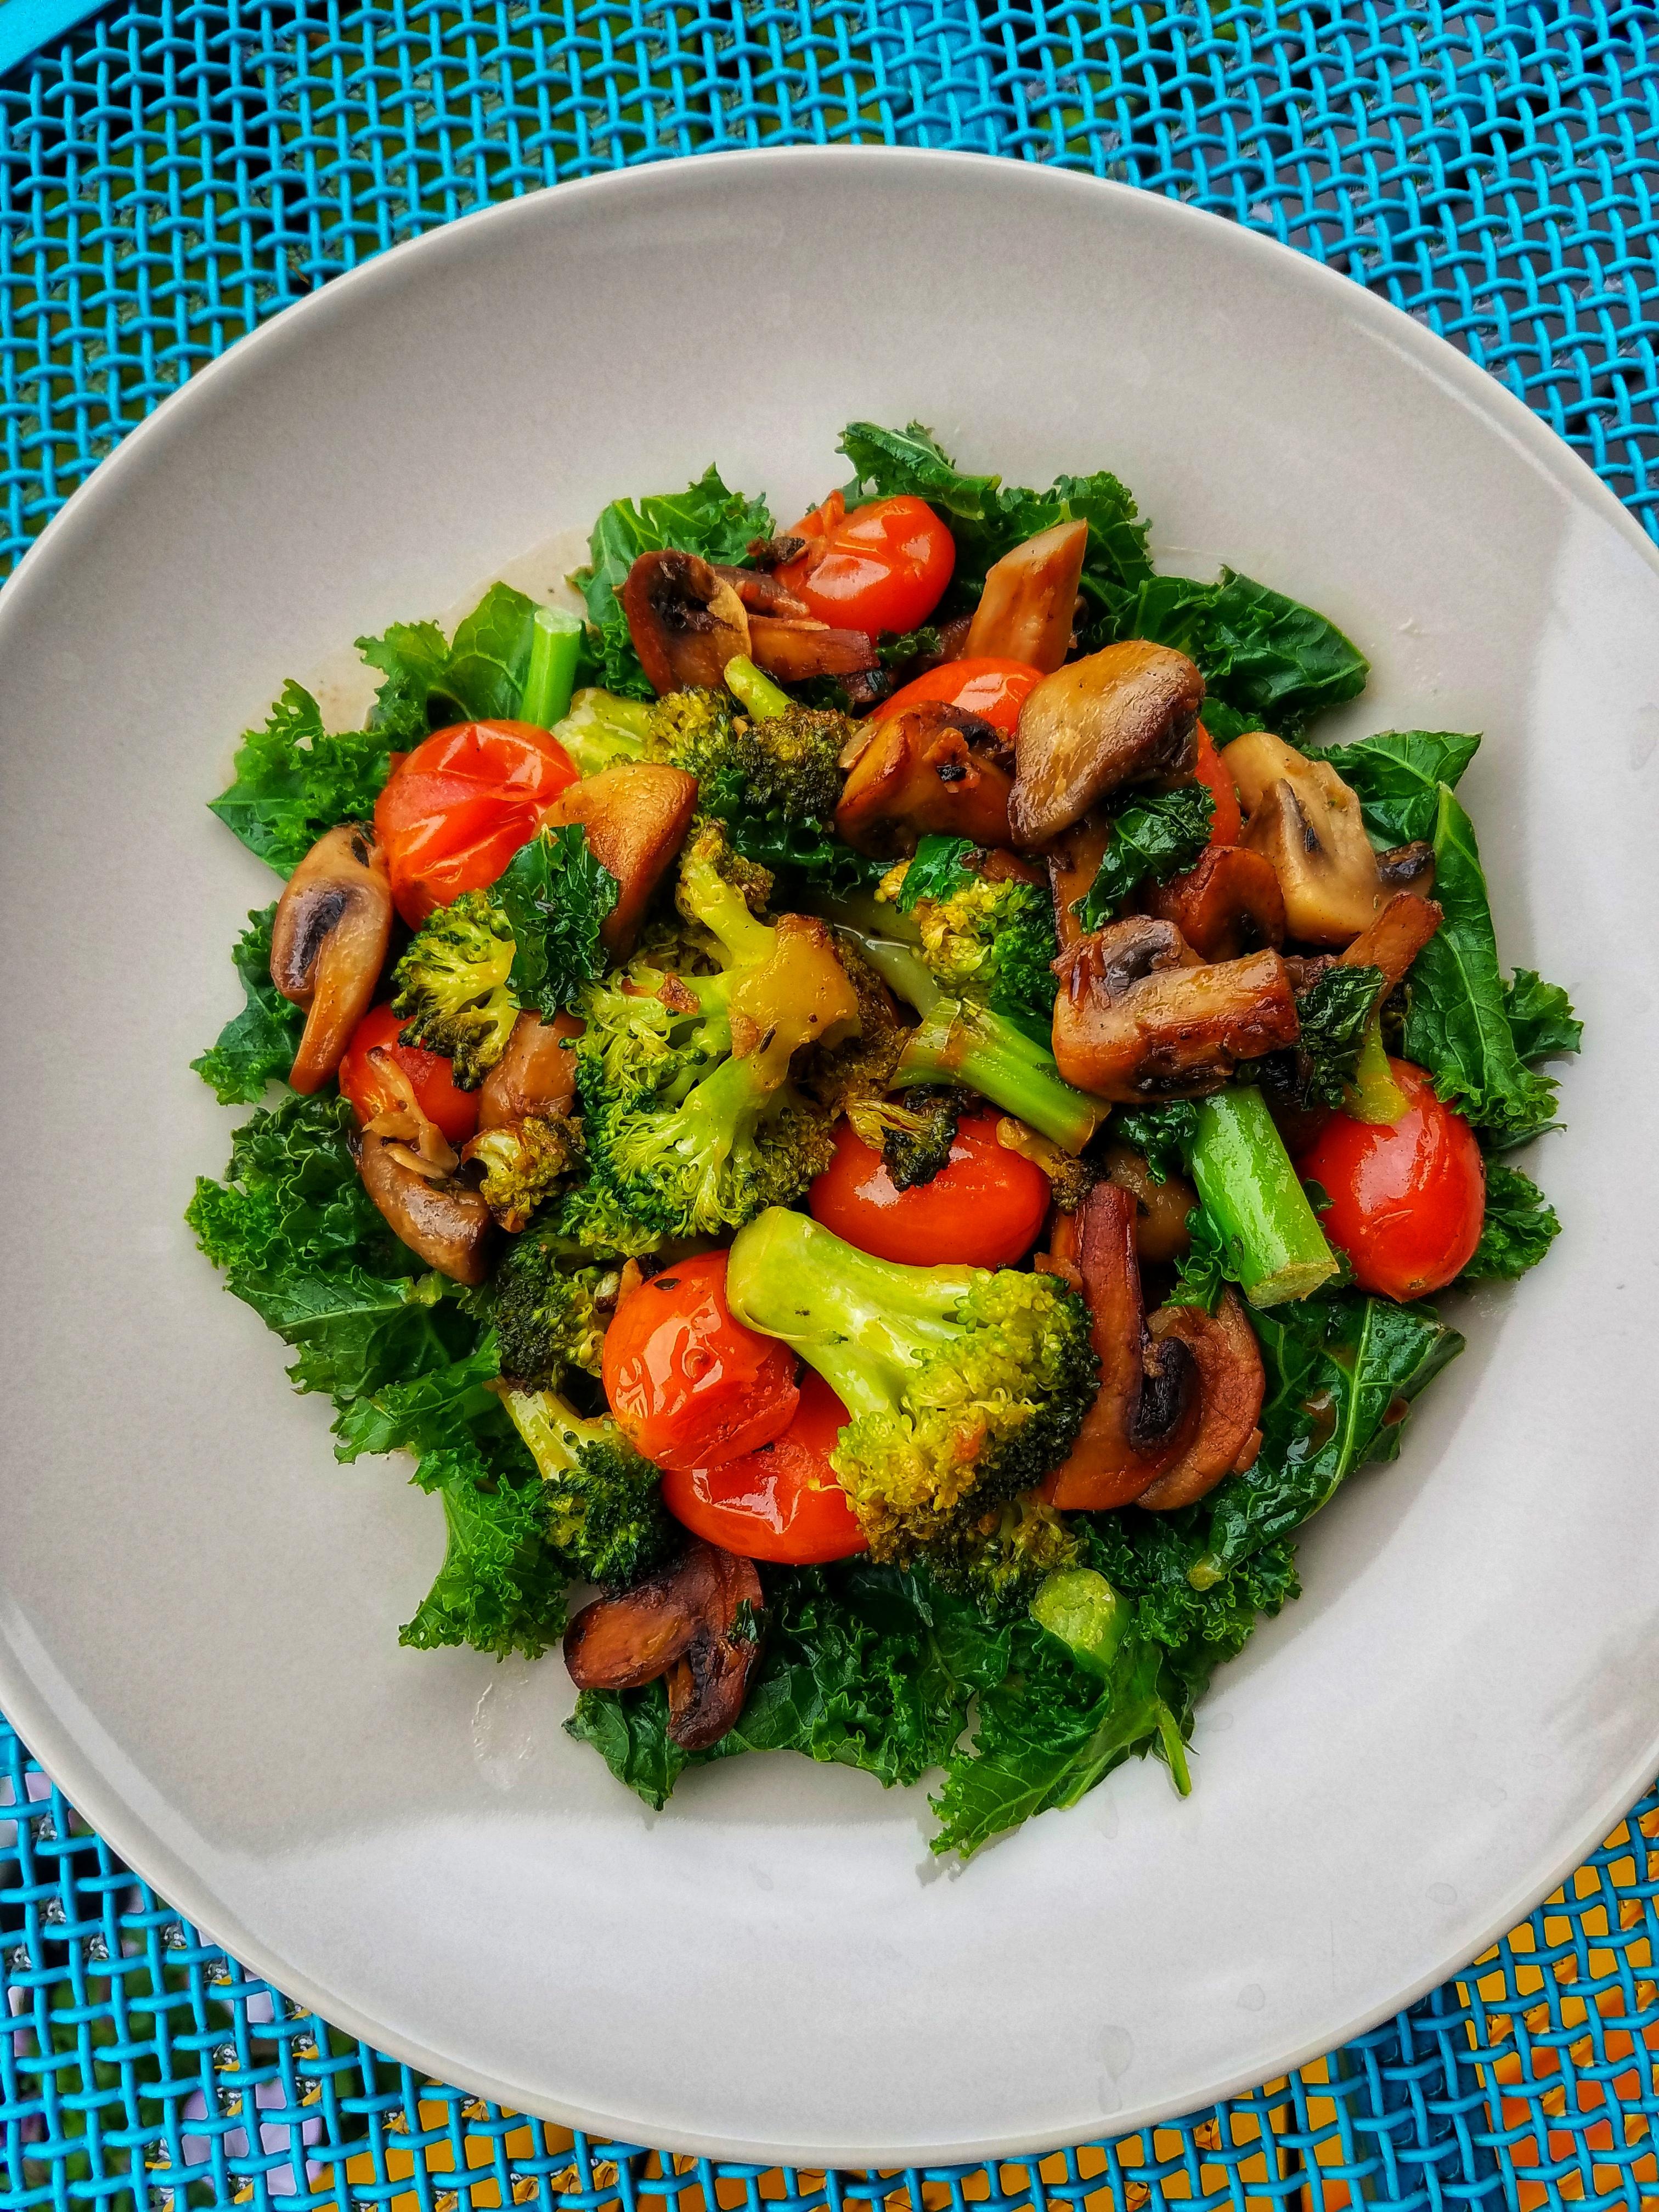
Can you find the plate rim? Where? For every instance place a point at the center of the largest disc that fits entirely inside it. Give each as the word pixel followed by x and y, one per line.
pixel 32 1716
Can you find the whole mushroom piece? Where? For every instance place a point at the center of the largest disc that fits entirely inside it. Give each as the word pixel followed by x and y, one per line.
pixel 328 944
pixel 1112 718
pixel 685 620
pixel 696 1622
pixel 928 768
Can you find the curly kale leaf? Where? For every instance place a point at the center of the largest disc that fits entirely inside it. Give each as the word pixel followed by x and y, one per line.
pixel 294 780
pixel 501 1586
pixel 1156 835
pixel 1333 1012
pixel 706 519
pixel 1540 1016
pixel 1396 775
pixel 260 1043
pixel 475 677
pixel 1519 1227
pixel 1162 1135
pixel 557 894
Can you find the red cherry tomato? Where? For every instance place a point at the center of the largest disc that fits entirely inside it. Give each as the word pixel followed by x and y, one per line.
pixel 456 810
pixel 996 690
pixel 883 567
pixel 985 1207
pixel 1210 770
pixel 455 1112
pixel 1406 1196
pixel 690 1386
pixel 782 1502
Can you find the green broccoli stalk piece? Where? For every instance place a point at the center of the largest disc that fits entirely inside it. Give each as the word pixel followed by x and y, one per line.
pixel 692 1124
pixel 1001 1560
pixel 453 995
pixel 964 1387
pixel 986 939
pixel 549 1302
pixel 604 1512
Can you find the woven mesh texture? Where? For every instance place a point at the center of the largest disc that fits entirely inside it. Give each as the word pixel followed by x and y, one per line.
pixel 170 174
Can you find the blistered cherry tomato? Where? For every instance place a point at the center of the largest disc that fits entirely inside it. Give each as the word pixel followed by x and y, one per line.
pixel 1210 770
pixel 690 1386
pixel 996 690
pixel 1406 1196
pixel 984 1208
pixel 782 1502
pixel 455 1112
pixel 883 566
pixel 456 810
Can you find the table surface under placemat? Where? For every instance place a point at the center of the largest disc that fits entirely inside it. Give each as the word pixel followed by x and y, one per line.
pixel 170 175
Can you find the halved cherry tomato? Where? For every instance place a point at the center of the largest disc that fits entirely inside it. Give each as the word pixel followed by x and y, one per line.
pixel 456 810
pixel 690 1386
pixel 985 1207
pixel 1406 1196
pixel 883 566
pixel 455 1112
pixel 996 690
pixel 782 1502
pixel 1211 770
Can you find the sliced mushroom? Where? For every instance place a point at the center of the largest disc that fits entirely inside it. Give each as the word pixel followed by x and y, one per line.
pixel 1073 863
pixel 1393 940
pixel 1112 718
pixel 1162 1236
pixel 794 650
pixel 636 816
pixel 1407 867
pixel 929 767
pixel 1232 1385
pixel 688 1623
pixel 1307 822
pixel 1229 904
pixel 536 1074
pixel 328 944
pixel 1025 612
pixel 686 622
pixel 1138 1017
pixel 1144 1410
pixel 447 1223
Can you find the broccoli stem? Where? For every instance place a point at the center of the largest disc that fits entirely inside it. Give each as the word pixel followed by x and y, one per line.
pixel 555 641
pixel 861 1321
pixel 550 1430
pixel 1253 1194
pixel 752 688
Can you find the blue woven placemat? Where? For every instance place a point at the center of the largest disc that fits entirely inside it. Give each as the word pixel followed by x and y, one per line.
pixel 170 174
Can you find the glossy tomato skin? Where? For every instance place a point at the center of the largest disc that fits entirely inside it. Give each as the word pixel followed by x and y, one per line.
pixel 455 1112
pixel 456 810
pixel 692 1387
pixel 883 566
pixel 1406 1196
pixel 781 1502
pixel 994 689
pixel 1210 770
pixel 985 1207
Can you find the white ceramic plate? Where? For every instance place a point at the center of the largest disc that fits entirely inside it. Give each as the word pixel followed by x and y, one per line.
pixel 198 1610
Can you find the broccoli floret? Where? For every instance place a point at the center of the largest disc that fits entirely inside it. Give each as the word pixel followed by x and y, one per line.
pixel 788 761
pixel 984 938
pixel 604 1508
pixel 524 1163
pixel 914 1133
pixel 452 994
pixel 965 1387
pixel 550 1308
pixel 692 1124
pixel 1001 1559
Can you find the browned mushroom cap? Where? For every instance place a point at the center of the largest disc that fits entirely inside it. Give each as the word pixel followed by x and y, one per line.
pixel 636 817
pixel 1393 940
pixel 1162 1236
pixel 685 1622
pixel 1228 904
pixel 1143 1410
pixel 929 767
pixel 685 622
pixel 792 651
pixel 1112 718
pixel 445 1221
pixel 1138 1017
pixel 328 943
pixel 1230 1387
pixel 1026 610
pixel 536 1074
